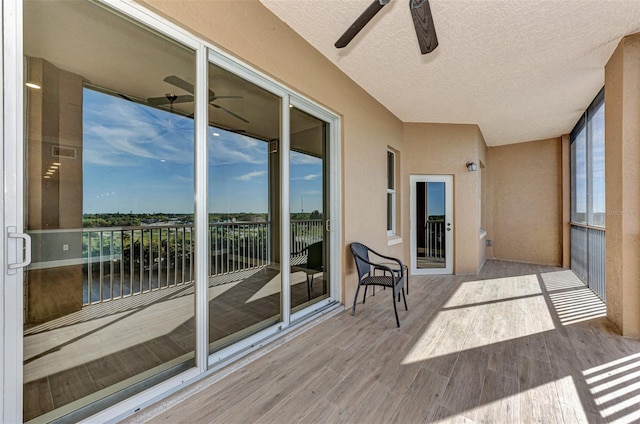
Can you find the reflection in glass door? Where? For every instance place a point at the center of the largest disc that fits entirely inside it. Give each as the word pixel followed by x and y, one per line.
pixel 109 207
pixel 309 206
pixel 431 224
pixel 244 208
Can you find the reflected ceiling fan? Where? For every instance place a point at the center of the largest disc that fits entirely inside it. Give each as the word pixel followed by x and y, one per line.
pixel 171 98
pixel 422 20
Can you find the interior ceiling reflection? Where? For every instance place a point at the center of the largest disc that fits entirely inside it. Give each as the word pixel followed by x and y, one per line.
pixel 99 47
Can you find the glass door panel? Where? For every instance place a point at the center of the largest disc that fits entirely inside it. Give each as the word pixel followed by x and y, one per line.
pixel 431 248
pixel 432 225
pixel 109 206
pixel 309 206
pixel 245 287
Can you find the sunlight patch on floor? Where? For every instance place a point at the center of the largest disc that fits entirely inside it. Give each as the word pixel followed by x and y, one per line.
pixel 578 305
pixel 616 388
pixel 572 301
pixel 484 312
pixel 558 280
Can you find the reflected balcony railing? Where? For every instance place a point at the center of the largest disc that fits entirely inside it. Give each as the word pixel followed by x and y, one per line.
pixel 119 262
pixel 432 245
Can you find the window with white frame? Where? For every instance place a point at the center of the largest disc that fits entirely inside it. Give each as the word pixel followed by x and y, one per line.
pixel 391 192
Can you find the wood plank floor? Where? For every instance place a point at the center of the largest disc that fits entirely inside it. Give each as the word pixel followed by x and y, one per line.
pixel 517 344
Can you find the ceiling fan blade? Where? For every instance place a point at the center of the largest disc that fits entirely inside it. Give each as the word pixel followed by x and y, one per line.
pixel 157 101
pixel 229 112
pixel 180 83
pixel 188 87
pixel 360 23
pixel 423 21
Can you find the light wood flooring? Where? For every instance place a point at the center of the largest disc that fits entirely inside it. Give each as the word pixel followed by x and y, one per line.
pixel 517 344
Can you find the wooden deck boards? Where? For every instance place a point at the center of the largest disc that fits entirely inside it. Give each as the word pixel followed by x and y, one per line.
pixel 495 348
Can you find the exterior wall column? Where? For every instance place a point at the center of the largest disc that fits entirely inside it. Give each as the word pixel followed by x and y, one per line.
pixel 622 143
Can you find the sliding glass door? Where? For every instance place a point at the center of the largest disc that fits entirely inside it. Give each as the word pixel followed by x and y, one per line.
pixel 156 191
pixel 109 177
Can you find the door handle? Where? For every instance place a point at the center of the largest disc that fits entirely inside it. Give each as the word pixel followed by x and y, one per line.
pixel 12 233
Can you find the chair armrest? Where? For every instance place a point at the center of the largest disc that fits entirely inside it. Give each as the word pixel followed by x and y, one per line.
pixel 373 264
pixel 388 258
pixel 381 266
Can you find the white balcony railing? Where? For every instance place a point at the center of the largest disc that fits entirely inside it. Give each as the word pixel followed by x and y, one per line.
pixel 125 261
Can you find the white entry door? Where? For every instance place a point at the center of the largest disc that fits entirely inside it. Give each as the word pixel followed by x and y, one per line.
pixel 432 226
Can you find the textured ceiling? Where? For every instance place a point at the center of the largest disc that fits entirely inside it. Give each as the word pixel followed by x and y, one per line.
pixel 521 69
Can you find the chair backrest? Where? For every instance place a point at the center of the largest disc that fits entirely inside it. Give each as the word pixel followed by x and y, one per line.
pixel 314 255
pixel 359 250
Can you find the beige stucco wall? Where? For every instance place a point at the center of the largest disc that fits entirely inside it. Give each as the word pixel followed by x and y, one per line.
pixel 253 34
pixel 525 200
pixel 622 142
pixel 444 149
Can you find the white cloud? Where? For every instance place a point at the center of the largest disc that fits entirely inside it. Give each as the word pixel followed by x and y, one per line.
pixel 297 158
pixel 231 148
pixel 251 175
pixel 118 133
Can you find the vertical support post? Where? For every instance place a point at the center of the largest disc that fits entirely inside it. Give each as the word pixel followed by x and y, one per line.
pixel 285 216
pixel 622 139
pixel 201 219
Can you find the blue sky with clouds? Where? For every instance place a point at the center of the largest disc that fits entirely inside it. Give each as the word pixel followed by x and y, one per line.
pixel 140 159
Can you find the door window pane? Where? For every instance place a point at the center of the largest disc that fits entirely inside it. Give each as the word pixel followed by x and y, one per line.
pixel 109 201
pixel 308 199
pixel 244 209
pixel 430 216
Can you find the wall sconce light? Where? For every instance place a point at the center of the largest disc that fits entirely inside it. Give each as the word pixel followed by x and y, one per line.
pixel 472 166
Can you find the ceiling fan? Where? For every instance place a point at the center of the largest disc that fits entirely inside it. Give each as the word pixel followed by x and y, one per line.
pixel 422 21
pixel 171 98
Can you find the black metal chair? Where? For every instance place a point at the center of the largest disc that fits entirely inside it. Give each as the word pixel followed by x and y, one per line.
pixel 391 278
pixel 313 265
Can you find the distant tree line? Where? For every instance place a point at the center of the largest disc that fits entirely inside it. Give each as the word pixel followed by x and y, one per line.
pixel 116 219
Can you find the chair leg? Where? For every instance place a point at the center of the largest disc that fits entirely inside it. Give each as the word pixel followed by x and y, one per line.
pixel 364 296
pixel 405 299
pixel 407 274
pixel 395 308
pixel 355 299
pixel 309 282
